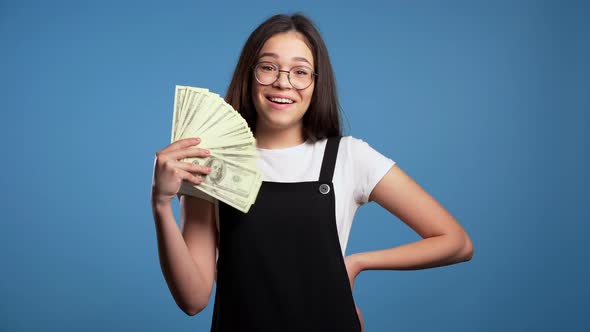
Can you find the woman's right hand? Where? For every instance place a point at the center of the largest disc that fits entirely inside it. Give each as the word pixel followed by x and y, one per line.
pixel 169 171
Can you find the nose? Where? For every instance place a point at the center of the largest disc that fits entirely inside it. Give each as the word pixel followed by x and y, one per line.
pixel 282 81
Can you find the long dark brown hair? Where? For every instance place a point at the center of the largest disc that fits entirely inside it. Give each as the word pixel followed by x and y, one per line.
pixel 322 118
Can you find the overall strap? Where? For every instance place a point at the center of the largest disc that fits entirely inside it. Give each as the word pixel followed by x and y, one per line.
pixel 329 161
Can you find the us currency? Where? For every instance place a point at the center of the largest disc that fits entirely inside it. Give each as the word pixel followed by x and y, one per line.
pixel 243 159
pixel 217 123
pixel 203 114
pixel 214 117
pixel 178 99
pixel 236 185
pixel 218 119
pixel 229 176
pixel 234 178
pixel 195 108
pixel 229 121
pixel 239 145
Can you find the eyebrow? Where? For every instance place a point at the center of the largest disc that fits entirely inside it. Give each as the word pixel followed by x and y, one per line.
pixel 274 55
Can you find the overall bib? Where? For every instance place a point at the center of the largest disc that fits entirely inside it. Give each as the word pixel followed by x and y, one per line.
pixel 280 266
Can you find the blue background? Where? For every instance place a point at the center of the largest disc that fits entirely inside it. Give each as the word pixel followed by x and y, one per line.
pixel 483 103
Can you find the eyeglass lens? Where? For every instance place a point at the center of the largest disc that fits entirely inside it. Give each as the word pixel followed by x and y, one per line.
pixel 300 77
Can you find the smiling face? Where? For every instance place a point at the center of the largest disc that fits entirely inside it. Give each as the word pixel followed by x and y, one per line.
pixel 279 106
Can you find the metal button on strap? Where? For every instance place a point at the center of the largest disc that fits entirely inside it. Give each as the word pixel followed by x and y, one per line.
pixel 324 189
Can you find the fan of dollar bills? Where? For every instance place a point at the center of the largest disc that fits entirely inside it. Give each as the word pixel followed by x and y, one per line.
pixel 234 178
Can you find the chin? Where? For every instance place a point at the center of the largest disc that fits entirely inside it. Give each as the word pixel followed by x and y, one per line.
pixel 278 119
pixel 279 125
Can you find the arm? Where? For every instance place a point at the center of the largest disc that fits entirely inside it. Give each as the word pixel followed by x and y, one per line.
pixel 187 257
pixel 444 241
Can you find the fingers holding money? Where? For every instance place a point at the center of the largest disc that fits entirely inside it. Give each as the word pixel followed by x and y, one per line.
pixel 234 178
pixel 181 144
pixel 169 171
pixel 188 152
pixel 191 168
pixel 188 176
pixel 183 148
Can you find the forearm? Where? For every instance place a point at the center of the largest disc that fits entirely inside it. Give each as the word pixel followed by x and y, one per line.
pixel 426 253
pixel 185 281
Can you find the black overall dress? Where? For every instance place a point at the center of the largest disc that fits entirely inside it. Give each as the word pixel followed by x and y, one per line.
pixel 280 266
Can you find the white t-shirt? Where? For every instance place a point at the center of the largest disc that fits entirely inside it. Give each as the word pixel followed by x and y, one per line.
pixel 358 169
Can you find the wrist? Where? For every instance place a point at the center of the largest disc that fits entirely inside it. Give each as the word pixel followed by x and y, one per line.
pixel 161 205
pixel 356 261
pixel 160 202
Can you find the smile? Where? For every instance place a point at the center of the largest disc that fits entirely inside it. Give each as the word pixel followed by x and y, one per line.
pixel 280 100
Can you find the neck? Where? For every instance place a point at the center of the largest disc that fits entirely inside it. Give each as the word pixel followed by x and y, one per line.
pixel 268 138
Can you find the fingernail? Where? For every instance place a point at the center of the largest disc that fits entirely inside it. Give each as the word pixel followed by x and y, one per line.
pixel 198 139
pixel 207 151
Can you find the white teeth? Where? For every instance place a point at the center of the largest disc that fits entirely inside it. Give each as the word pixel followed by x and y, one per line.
pixel 282 100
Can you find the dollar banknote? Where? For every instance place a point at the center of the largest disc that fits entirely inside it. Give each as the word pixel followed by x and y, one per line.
pixel 235 177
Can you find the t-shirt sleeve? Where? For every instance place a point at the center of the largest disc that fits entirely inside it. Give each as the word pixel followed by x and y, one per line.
pixel 369 168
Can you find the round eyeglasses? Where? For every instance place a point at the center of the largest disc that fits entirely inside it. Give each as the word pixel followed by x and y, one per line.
pixel 300 77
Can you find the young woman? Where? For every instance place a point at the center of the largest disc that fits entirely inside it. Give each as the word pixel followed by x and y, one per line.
pixel 281 266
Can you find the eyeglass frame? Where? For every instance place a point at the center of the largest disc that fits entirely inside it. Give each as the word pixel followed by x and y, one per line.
pixel 279 71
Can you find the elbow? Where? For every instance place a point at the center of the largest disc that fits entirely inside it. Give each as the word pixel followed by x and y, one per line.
pixel 197 303
pixel 192 310
pixel 467 249
pixel 461 248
